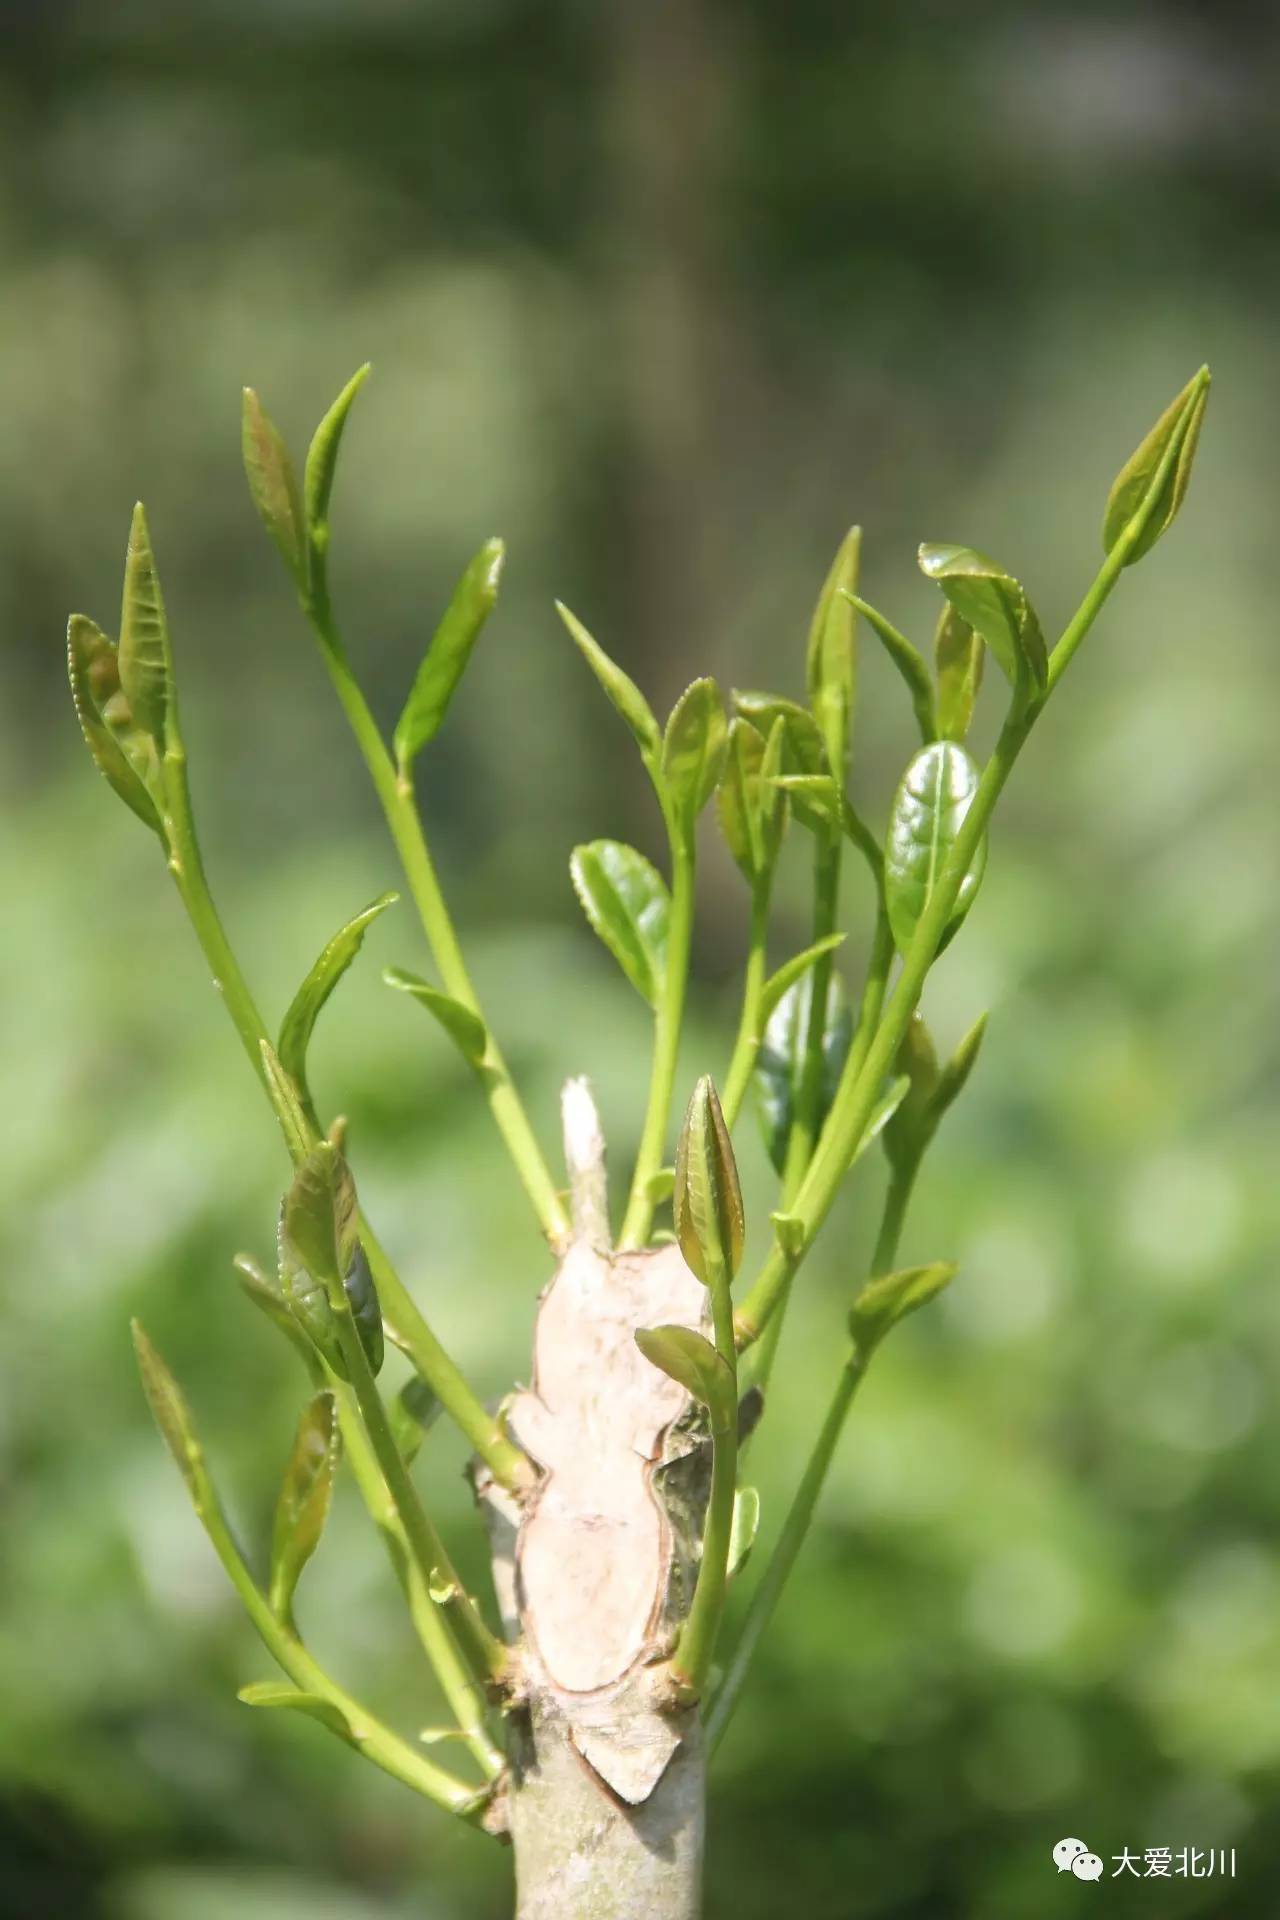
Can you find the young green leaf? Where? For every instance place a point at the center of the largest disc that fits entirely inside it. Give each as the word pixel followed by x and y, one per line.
pixel 285 1098
pixel 412 1414
pixel 830 660
pixel 95 682
pixel 707 1200
pixel 745 1527
pixel 661 1185
pixel 779 1063
pixel 322 463
pixel 954 1076
pixel 146 674
pixel 910 1127
pixel 881 1115
pixel 464 1026
pixel 264 1292
pixel 627 903
pixel 816 801
pixel 173 1417
pixel 890 1297
pixel 277 1693
pixel 625 695
pixel 273 485
pixel 802 742
pixel 320 1253
pixel 299 1022
pixel 693 749
pixel 910 664
pixel 686 1357
pixel 742 803
pixel 959 654
pixel 993 603
pixel 303 1506
pixel 928 812
pixel 790 971
pixel 1179 427
pixel 445 661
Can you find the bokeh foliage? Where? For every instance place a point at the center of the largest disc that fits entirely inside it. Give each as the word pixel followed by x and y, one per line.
pixel 667 297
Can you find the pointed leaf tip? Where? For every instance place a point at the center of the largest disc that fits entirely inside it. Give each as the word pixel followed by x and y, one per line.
pixel 1153 482
pixel 707 1199
pixel 445 660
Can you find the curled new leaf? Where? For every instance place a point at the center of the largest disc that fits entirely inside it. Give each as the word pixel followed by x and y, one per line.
pixel 910 664
pixel 621 689
pixel 928 812
pixel 954 1076
pixel 693 748
pixel 273 485
pixel 124 758
pixel 830 661
pixel 1178 428
pixel 444 664
pixel 321 1258
pixel 707 1200
pixel 627 903
pixel 303 1506
pixel 299 1022
pixel 322 462
pixel 958 655
pixel 803 751
pixel 173 1417
pixel 462 1024
pixel 780 1061
pixel 277 1693
pixel 146 674
pixel 749 805
pixel 685 1356
pixel 994 604
pixel 890 1297
pixel 816 801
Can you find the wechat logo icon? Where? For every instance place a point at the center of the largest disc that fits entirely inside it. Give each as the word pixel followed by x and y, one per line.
pixel 1072 1856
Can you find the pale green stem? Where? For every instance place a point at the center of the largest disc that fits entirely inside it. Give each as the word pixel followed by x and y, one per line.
pixel 395 793
pixel 666 1045
pixel 692 1660
pixel 751 1025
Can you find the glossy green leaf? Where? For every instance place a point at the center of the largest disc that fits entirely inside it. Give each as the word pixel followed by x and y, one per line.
pixel 303 1506
pixel 412 1414
pixel 299 1022
pixel 910 664
pixel 277 1693
pixel 743 1529
pixel 627 903
pixel 742 802
pixel 693 749
pixel 462 1024
pixel 625 695
pixel 830 659
pixel 273 485
pixel 173 1417
pixel 993 603
pixel 146 675
pixel 891 1297
pixel 928 812
pixel 959 655
pixel 1178 427
pixel 445 661
pixel 685 1356
pixel 322 462
pixel 803 748
pixel 95 683
pixel 790 971
pixel 707 1199
pixel 779 1063
pixel 320 1252
pixel 264 1291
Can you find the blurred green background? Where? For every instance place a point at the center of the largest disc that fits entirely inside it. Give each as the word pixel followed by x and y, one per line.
pixel 668 295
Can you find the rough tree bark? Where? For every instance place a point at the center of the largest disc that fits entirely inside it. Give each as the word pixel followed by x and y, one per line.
pixel 594 1575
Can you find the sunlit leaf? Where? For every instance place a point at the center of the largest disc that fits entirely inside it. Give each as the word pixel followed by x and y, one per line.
pixel 322 462
pixel 445 661
pixel 627 903
pixel 299 1022
pixel 303 1505
pixel 693 749
pixel 993 603
pixel 95 683
pixel 462 1024
pixel 780 1061
pixel 320 1252
pixel 707 1199
pixel 625 695
pixel 830 660
pixel 686 1357
pixel 928 812
pixel 959 655
pixel 1179 425
pixel 910 664
pixel 804 751
pixel 891 1297
pixel 743 1530
pixel 277 1693
pixel 791 970
pixel 273 485
pixel 146 675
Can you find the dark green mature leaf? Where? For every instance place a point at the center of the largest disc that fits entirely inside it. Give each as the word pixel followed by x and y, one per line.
pixel 95 683
pixel 299 1022
pixel 928 812
pixel 686 1357
pixel 693 749
pixel 802 742
pixel 627 903
pixel 1179 423
pixel 146 674
pixel 173 1417
pixel 303 1506
pixel 780 1061
pixel 273 485
pixel 830 659
pixel 462 1024
pixel 277 1693
pixel 790 971
pixel 445 661
pixel 910 664
pixel 320 1252
pixel 959 655
pixel 322 461
pixel 993 603
pixel 890 1297
pixel 625 695
pixel 707 1199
